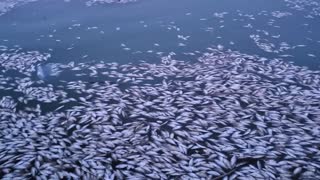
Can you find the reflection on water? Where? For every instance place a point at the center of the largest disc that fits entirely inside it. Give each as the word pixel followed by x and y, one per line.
pixel 48 70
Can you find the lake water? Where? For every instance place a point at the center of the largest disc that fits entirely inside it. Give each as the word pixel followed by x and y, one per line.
pixel 147 29
pixel 159 89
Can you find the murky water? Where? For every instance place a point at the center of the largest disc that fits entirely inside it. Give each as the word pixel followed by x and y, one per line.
pixel 159 89
pixel 145 30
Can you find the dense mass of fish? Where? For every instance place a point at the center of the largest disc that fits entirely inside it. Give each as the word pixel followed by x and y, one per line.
pixel 24 62
pixel 225 115
pixel 229 115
